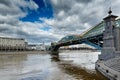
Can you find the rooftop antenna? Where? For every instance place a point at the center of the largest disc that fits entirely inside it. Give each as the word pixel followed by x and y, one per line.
pixel 110 11
pixel 108 6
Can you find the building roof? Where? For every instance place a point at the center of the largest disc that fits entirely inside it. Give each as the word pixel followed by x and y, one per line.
pixel 12 38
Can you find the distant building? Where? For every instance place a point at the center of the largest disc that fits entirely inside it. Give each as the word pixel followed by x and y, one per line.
pixel 31 47
pixel 12 44
pixel 40 47
pixel 66 47
pixel 78 47
pixel 47 47
pixel 81 46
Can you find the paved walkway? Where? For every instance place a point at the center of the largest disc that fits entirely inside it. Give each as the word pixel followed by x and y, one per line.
pixel 110 68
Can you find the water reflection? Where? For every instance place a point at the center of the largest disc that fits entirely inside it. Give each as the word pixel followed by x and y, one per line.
pixel 55 58
pixel 70 65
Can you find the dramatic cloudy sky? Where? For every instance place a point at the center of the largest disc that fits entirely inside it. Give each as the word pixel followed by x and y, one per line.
pixel 50 20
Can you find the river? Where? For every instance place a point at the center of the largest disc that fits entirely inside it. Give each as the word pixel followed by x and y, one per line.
pixel 71 65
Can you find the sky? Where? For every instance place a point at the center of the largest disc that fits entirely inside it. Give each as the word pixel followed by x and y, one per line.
pixel 48 21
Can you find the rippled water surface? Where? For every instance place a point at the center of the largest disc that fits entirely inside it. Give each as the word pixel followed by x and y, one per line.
pixel 71 65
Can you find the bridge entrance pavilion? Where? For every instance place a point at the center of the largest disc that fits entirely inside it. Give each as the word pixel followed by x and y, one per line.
pixel 109 59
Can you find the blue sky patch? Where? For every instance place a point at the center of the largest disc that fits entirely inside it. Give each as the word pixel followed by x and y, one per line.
pixel 45 10
pixel 45 28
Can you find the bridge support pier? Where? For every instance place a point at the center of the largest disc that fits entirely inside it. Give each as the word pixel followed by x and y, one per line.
pixel 54 52
pixel 55 55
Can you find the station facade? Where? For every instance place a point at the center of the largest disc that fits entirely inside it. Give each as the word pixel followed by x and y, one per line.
pixel 8 44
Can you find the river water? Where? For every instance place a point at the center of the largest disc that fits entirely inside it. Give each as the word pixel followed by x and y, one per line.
pixel 71 65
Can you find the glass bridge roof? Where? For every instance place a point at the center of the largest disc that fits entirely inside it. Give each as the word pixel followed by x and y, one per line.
pixel 68 38
pixel 96 30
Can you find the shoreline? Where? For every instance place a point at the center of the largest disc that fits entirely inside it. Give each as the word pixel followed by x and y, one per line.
pixel 21 52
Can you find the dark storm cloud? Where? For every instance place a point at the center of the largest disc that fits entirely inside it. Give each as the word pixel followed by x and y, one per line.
pixel 84 1
pixel 76 16
pixel 5 2
pixel 61 5
pixel 3 30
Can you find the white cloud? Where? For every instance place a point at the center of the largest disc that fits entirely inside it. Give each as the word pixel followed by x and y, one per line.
pixel 11 26
pixel 70 17
pixel 76 16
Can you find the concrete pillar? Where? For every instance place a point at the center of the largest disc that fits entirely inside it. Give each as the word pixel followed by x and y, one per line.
pixel 109 48
pixel 117 38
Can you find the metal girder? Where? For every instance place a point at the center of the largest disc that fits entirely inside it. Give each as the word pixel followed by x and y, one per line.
pixel 97 46
pixel 93 41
